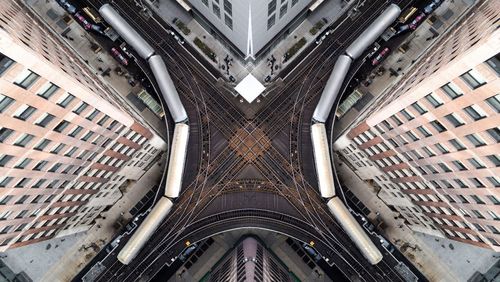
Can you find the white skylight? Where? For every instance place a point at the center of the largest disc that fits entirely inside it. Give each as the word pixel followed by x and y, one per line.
pixel 250 88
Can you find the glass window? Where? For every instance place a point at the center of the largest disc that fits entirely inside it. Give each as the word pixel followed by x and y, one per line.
pixel 283 9
pixel 39 183
pixel 23 182
pixel 24 112
pixel 39 166
pixel 58 148
pixel 494 102
pixel 87 136
pixel 75 131
pixel 25 162
pixel 475 140
pixel 205 2
pixel 493 199
pixel 493 62
pixel 5 63
pixel 45 119
pixel 71 151
pixel 457 144
pixel 494 133
pixel 396 120
pixel 24 140
pixel 42 144
pixel 419 108
pixel 216 9
pixel 442 148
pixel 412 135
pixel 66 101
pixel 228 21
pixel 476 182
pixel 271 21
pixel 494 181
pixel 494 159
pixel 460 183
pixel 475 112
pixel 55 167
pixel 438 126
pixel 48 90
pixel 424 131
pixel 294 2
pixel 4 159
pixel 26 79
pixel 103 120
pixel 271 7
pixel 473 79
pixel 459 165
pixel 477 164
pixel 228 7
pixel 444 167
pixel 61 126
pixel 92 115
pixel 407 114
pixel 5 133
pixel 387 125
pixel 434 100
pixel 455 120
pixel 5 181
pixel 452 90
pixel 5 102
pixel 428 151
pixel 80 108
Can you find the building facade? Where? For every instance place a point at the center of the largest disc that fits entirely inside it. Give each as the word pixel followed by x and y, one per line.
pixel 249 261
pixel 249 25
pixel 67 146
pixel 431 143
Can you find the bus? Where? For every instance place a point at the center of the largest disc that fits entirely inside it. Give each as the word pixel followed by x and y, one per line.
pixel 407 14
pixel 93 15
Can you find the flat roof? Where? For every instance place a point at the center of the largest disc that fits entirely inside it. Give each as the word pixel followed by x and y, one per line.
pixel 250 88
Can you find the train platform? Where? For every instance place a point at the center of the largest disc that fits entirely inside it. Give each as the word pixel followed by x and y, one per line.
pixel 439 259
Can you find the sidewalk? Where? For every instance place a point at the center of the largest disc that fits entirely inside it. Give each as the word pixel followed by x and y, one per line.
pixel 431 255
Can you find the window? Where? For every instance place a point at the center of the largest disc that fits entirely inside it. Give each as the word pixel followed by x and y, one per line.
pixel 452 90
pixel 44 120
pixel 75 131
pixel 39 183
pixel 42 144
pixel 494 102
pixel 23 182
pixel 5 199
pixel 494 159
pixel 475 112
pixel 228 21
pixel 39 166
pixel 5 133
pixel 66 101
pixel 25 162
pixel 412 135
pixel 5 102
pixel 459 165
pixel 4 159
pixel 5 181
pixel 57 148
pixel 457 144
pixel 55 167
pixel 24 112
pixel 271 21
pixel 21 201
pixel 442 148
pixel 271 7
pixel 494 133
pixel 228 7
pixel 460 183
pixel 428 151
pixel 216 9
pixel 407 114
pixel 463 199
pixel 444 167
pixel 61 126
pixel 396 120
pixel 493 62
pixel 205 2
pixel 5 63
pixel 424 131
pixel 93 114
pixel 455 120
pixel 421 110
pixel 87 136
pixel 24 140
pixel 294 2
pixel 475 140
pixel 71 151
pixel 494 181
pixel 387 125
pixel 477 164
pixel 438 126
pixel 476 182
pixel 477 199
pixel 78 110
pixel 493 215
pixel 48 90
pixel 283 9
pixel 112 125
pixel 493 199
pixel 473 79
pixel 26 79
pixel 434 100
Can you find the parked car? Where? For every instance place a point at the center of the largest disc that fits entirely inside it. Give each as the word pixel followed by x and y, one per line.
pixel 432 6
pixel 83 21
pixel 381 56
pixel 119 56
pixel 323 36
pixel 177 37
pixel 67 6
pixel 417 21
